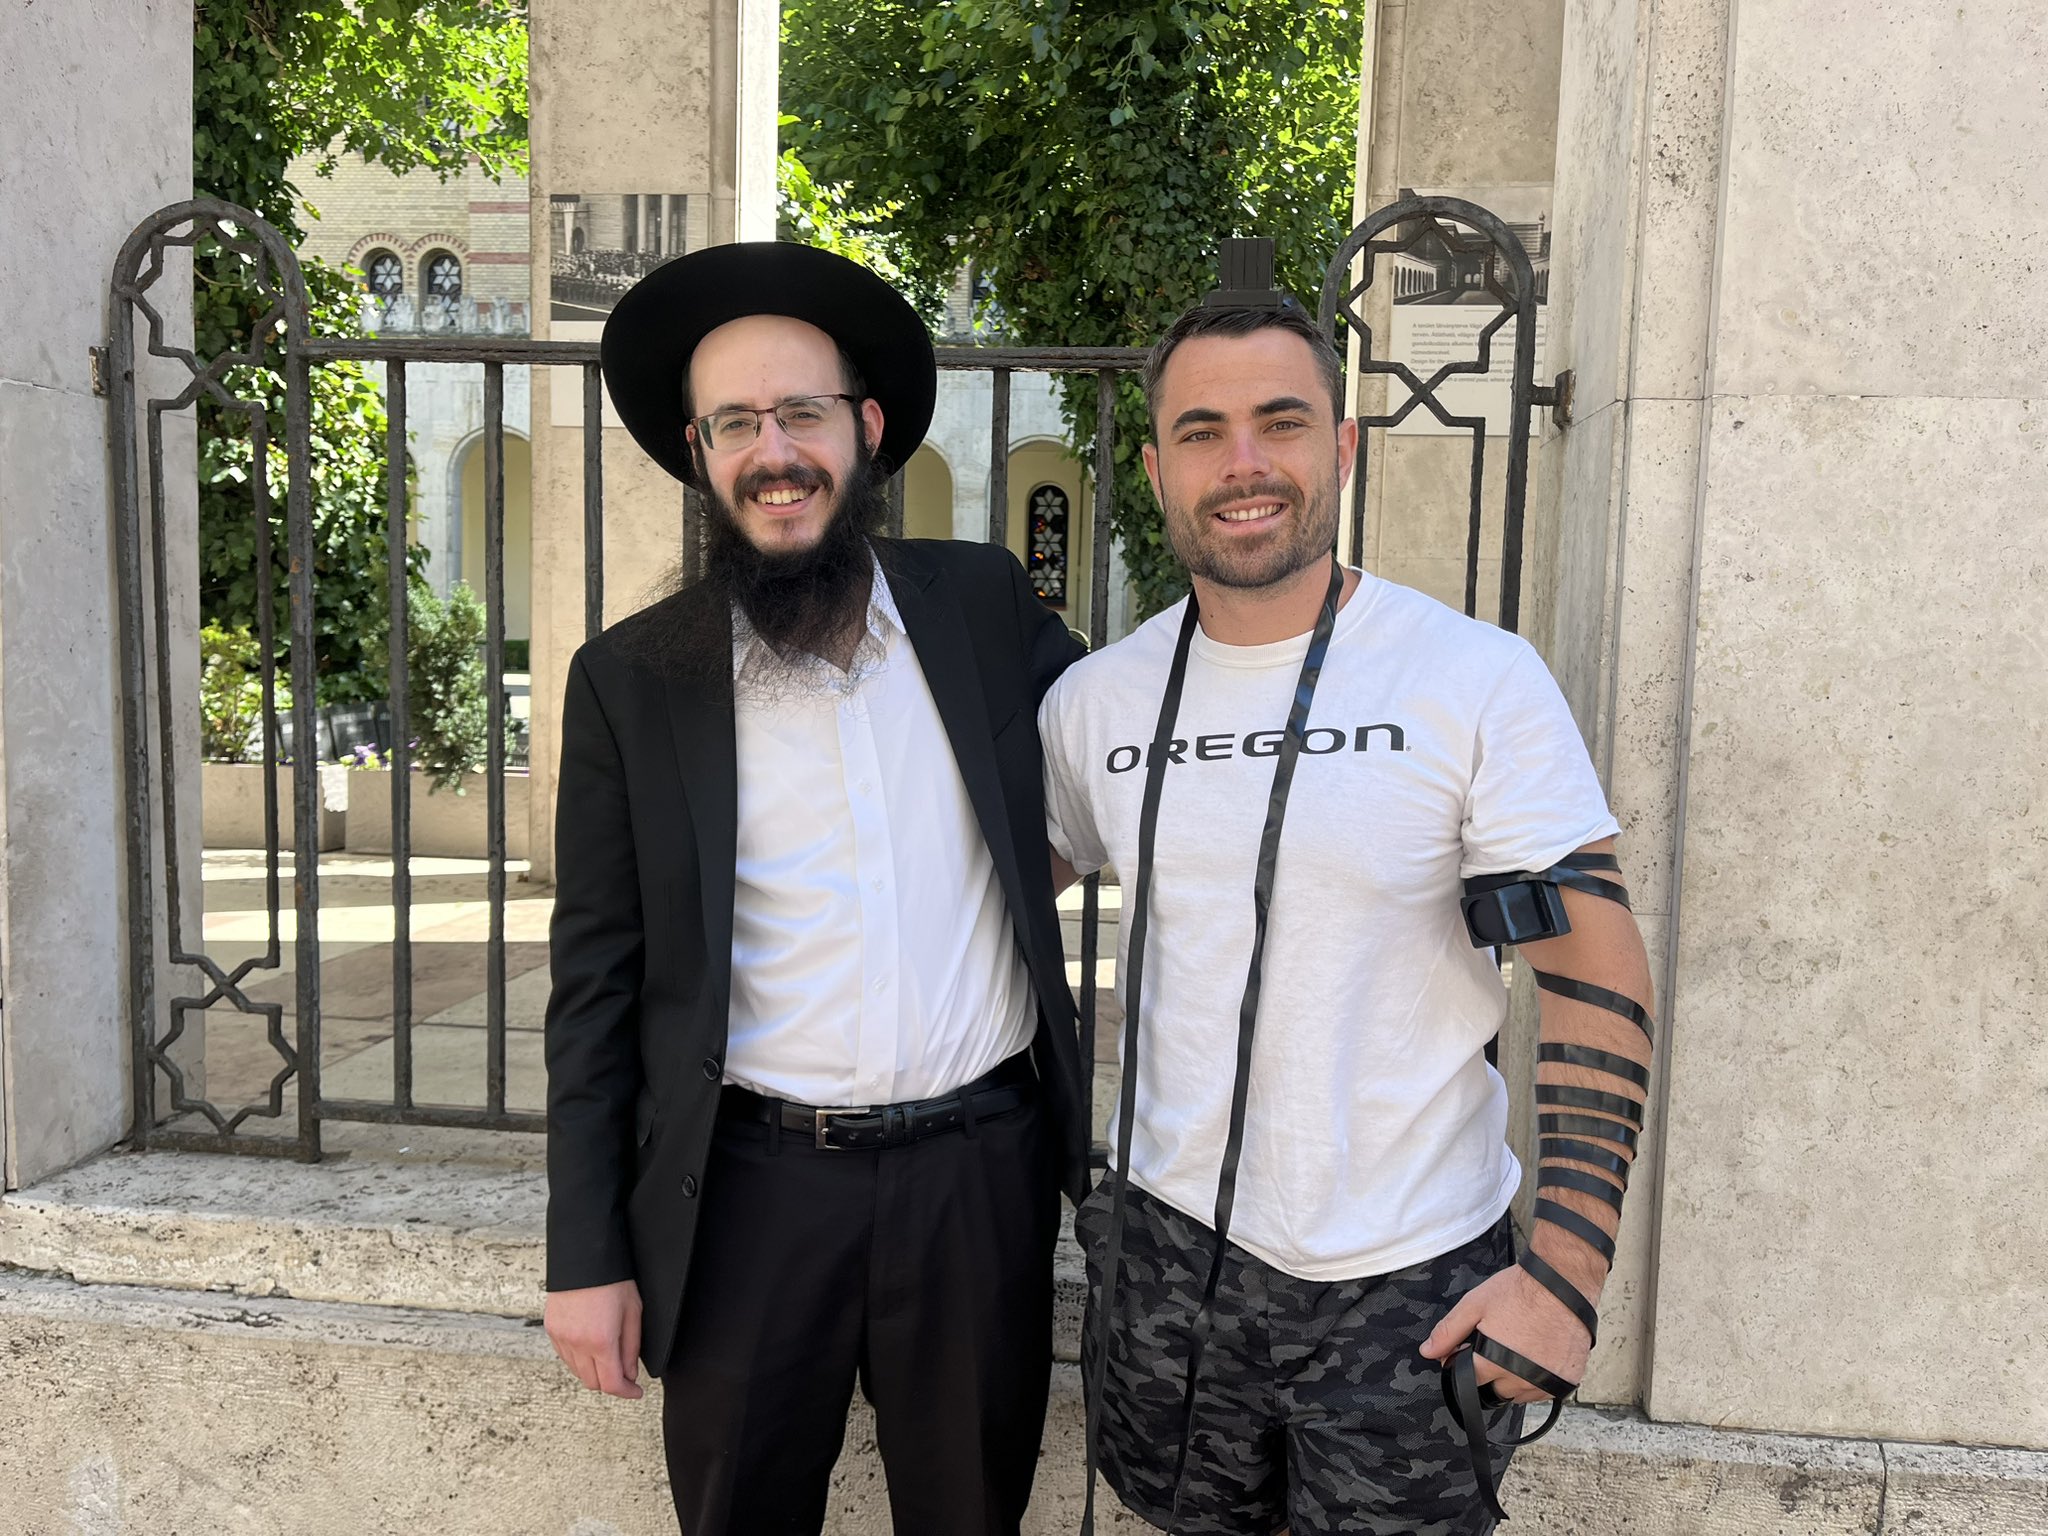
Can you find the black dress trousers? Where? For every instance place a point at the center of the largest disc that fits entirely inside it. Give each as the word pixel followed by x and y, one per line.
pixel 924 1272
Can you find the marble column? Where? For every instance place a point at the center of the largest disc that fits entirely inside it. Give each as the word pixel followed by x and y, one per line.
pixel 1792 557
pixel 667 102
pixel 95 135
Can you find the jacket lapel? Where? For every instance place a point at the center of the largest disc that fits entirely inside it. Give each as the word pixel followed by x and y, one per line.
pixel 938 633
pixel 700 719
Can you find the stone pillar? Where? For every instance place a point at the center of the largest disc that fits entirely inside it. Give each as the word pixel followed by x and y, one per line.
pixel 95 134
pixel 1793 562
pixel 668 102
pixel 1460 101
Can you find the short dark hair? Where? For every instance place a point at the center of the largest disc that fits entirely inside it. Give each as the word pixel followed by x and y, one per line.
pixel 1204 320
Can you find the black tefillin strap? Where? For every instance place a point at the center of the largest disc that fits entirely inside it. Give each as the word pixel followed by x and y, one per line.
pixel 1247 1014
pixel 1522 908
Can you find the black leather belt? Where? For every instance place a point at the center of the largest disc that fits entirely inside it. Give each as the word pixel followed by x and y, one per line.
pixel 1009 1086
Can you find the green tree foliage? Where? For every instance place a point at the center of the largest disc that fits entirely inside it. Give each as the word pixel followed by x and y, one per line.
pixel 408 84
pixel 1086 156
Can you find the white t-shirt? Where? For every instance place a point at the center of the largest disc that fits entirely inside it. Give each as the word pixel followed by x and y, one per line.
pixel 1437 748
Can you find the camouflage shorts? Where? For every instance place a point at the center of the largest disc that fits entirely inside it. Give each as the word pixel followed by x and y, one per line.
pixel 1314 1411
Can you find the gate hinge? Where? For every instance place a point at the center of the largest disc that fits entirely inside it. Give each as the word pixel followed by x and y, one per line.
pixel 99 370
pixel 1557 396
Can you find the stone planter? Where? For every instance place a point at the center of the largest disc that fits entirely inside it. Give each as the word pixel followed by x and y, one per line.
pixel 231 805
pixel 444 824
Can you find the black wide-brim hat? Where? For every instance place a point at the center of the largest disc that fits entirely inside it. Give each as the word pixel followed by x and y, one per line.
pixel 651 333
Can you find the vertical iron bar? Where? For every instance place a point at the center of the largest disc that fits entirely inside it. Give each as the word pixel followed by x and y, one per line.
pixel 1476 492
pixel 1098 636
pixel 1105 491
pixel 167 759
pixel 494 762
pixel 305 750
pixel 693 533
pixel 1359 464
pixel 1360 467
pixel 593 500
pixel 399 748
pixel 999 457
pixel 1519 405
pixel 266 641
pixel 135 748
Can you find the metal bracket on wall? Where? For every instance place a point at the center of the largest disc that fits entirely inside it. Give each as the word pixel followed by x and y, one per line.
pixel 1557 396
pixel 99 370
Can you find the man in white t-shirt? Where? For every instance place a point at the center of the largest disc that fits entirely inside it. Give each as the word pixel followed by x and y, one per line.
pixel 1373 1180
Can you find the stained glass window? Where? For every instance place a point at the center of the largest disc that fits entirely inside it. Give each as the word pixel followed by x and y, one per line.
pixel 385 274
pixel 1048 559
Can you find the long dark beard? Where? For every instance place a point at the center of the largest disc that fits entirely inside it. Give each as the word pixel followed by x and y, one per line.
pixel 801 602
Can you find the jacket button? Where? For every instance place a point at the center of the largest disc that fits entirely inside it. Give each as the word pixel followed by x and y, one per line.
pixel 712 1070
pixel 689 1186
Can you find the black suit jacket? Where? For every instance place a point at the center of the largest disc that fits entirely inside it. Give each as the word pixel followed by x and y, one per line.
pixel 641 944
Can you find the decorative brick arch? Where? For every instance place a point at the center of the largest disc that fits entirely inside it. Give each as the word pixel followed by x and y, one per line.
pixel 438 241
pixel 369 243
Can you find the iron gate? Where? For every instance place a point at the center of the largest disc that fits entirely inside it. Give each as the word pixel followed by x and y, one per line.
pixel 169 1110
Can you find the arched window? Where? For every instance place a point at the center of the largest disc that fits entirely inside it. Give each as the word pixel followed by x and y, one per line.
pixel 441 275
pixel 441 289
pixel 384 274
pixel 1048 562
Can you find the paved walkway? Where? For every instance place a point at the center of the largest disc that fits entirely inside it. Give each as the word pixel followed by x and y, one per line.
pixel 450 928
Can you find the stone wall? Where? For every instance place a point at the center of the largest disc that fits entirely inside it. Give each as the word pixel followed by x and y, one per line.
pixel 95 135
pixel 363 207
pixel 1796 561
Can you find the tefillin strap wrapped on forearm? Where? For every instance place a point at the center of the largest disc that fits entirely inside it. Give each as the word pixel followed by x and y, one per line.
pixel 1522 908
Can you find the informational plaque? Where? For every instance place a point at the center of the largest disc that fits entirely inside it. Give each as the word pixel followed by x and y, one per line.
pixel 1443 304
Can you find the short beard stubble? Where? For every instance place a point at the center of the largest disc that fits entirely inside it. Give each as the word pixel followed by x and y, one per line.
pixel 1311 537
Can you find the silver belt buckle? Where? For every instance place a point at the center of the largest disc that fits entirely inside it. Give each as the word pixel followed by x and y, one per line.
pixel 822 1124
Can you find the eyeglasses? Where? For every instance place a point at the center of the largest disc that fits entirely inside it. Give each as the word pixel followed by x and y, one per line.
pixel 801 417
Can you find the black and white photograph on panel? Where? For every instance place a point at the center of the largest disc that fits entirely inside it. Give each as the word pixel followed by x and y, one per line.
pixel 599 245
pixel 603 243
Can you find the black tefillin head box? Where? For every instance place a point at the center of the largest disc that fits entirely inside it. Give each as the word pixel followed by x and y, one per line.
pixel 1244 272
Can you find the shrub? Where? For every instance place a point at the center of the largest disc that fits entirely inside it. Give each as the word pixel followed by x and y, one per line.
pixel 450 711
pixel 231 695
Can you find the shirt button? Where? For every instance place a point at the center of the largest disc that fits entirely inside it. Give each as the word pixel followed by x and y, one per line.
pixel 712 1071
pixel 689 1187
pixel 876 882
pixel 881 982
pixel 862 786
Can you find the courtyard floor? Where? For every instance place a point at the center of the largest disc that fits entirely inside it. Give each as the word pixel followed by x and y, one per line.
pixel 449 929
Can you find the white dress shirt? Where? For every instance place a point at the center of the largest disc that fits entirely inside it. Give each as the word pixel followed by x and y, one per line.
pixel 873 960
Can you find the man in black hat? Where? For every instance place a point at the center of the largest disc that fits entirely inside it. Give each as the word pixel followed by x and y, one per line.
pixel 810 1044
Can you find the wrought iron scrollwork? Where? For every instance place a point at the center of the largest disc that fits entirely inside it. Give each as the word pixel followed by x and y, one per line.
pixel 277 340
pixel 1472 239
